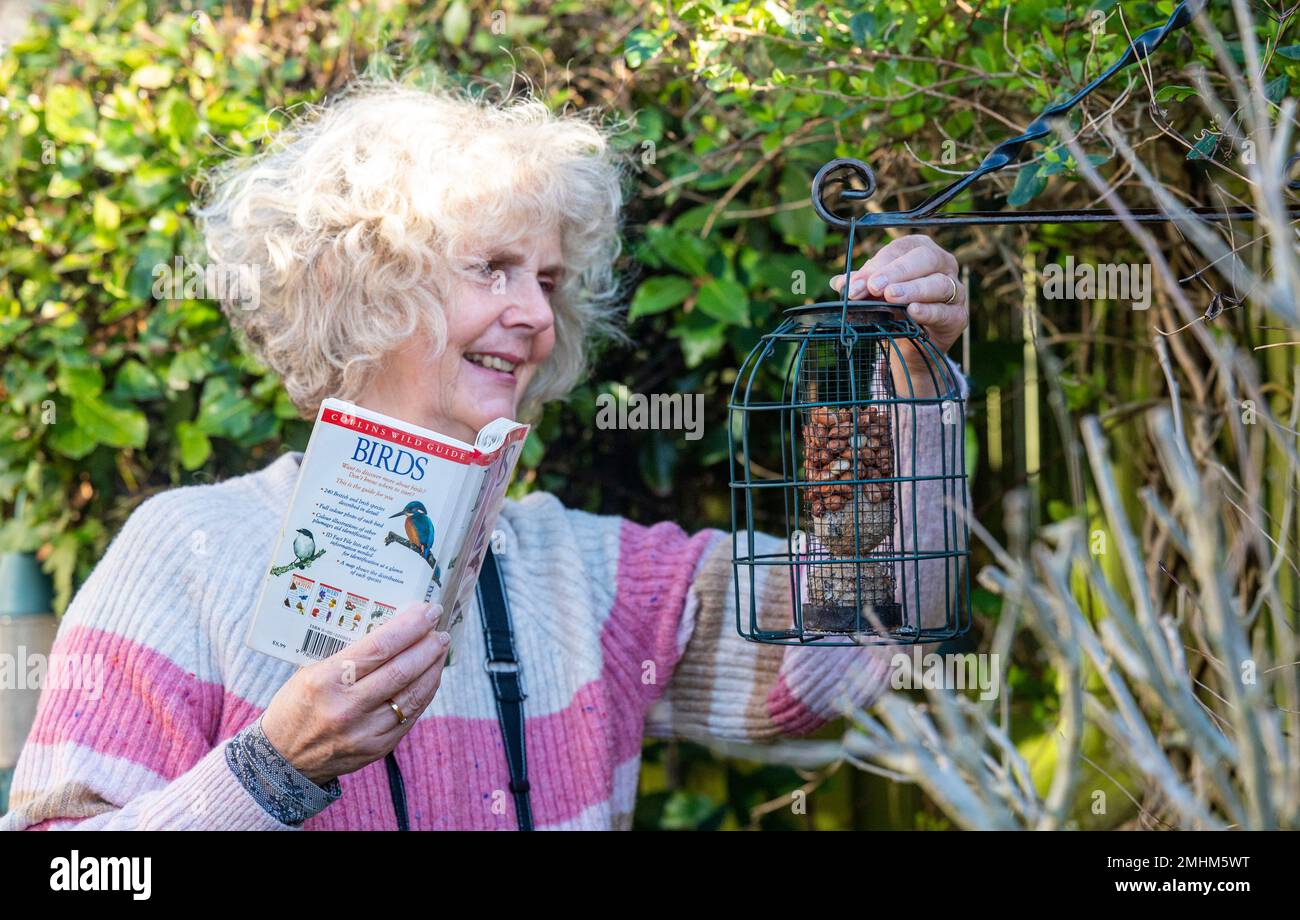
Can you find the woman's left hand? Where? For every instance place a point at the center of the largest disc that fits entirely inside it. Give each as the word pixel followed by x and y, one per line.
pixel 917 271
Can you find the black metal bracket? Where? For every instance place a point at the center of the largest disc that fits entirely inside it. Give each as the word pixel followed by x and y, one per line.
pixel 851 181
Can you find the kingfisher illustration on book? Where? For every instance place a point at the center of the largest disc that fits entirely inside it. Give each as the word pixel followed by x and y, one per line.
pixel 419 535
pixel 304 552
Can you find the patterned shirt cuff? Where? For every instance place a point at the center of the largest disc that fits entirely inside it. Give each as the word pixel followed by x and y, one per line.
pixel 274 783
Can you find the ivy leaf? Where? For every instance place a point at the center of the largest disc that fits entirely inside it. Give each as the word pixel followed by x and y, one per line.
pixel 800 226
pixel 906 33
pixel 152 76
pixel 79 382
pixel 62 187
pixel 1029 184
pixel 150 183
pixel 1276 89
pixel 456 23
pixel 151 252
pixel 725 300
pixel 232 113
pixel 862 27
pixel 70 114
pixel 108 423
pixel 195 447
pixel 655 295
pixel 685 252
pixel 641 46
pixel 61 563
pixel 105 214
pixel 688 811
pixel 119 149
pixel 223 410
pixel 179 119
pixel 67 438
pixel 1175 92
pixel 700 337
pixel 187 367
pixel 135 381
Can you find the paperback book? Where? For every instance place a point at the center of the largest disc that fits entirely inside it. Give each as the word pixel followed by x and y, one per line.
pixel 385 514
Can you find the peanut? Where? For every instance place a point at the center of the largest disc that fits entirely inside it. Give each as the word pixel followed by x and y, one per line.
pixel 841 448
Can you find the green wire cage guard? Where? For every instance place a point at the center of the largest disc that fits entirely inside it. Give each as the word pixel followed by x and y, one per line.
pixel 848 489
pixel 848 484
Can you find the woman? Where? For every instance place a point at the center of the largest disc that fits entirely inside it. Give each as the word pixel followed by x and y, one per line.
pixel 446 262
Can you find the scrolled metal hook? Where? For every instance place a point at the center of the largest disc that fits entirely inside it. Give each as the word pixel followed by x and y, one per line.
pixel 837 177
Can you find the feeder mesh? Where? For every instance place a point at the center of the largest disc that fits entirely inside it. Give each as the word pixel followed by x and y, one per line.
pixel 848 456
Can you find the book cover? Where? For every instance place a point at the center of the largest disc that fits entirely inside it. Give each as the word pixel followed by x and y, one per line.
pixel 385 514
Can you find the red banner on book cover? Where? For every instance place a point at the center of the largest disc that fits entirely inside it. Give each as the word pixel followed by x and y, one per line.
pixel 364 426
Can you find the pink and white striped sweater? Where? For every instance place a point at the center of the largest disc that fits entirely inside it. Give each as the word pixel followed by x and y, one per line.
pixel 624 631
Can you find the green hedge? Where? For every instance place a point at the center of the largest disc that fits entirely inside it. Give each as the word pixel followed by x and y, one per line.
pixel 111 112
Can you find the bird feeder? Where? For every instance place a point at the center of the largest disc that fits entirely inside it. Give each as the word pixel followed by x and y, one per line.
pixel 842 480
pixel 848 481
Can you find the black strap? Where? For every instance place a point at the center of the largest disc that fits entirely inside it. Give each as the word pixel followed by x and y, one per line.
pixel 503 670
pixel 397 790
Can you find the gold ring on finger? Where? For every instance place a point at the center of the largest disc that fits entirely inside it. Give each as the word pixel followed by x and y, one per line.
pixel 952 298
pixel 401 718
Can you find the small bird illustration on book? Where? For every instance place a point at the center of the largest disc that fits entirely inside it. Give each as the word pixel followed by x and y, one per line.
pixel 419 535
pixel 304 545
pixel 304 552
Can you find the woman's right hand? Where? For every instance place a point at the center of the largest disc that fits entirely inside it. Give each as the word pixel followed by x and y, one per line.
pixel 333 717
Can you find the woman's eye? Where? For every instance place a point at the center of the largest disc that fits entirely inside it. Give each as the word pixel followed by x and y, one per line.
pixel 492 273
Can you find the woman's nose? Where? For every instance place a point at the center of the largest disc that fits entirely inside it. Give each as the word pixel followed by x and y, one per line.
pixel 531 305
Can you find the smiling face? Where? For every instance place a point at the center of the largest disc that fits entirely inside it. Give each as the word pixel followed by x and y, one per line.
pixel 500 329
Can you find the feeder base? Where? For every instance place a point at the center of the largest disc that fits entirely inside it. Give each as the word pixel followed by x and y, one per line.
pixel 822 618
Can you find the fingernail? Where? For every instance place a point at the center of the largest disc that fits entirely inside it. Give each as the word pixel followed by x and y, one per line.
pixel 899 290
pixel 431 612
pixel 920 313
pixel 444 639
pixel 858 287
pixel 878 283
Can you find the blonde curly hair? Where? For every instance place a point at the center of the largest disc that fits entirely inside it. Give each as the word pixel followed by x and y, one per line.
pixel 355 217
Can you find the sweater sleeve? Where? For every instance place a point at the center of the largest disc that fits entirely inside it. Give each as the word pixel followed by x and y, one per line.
pixel 682 595
pixel 125 736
